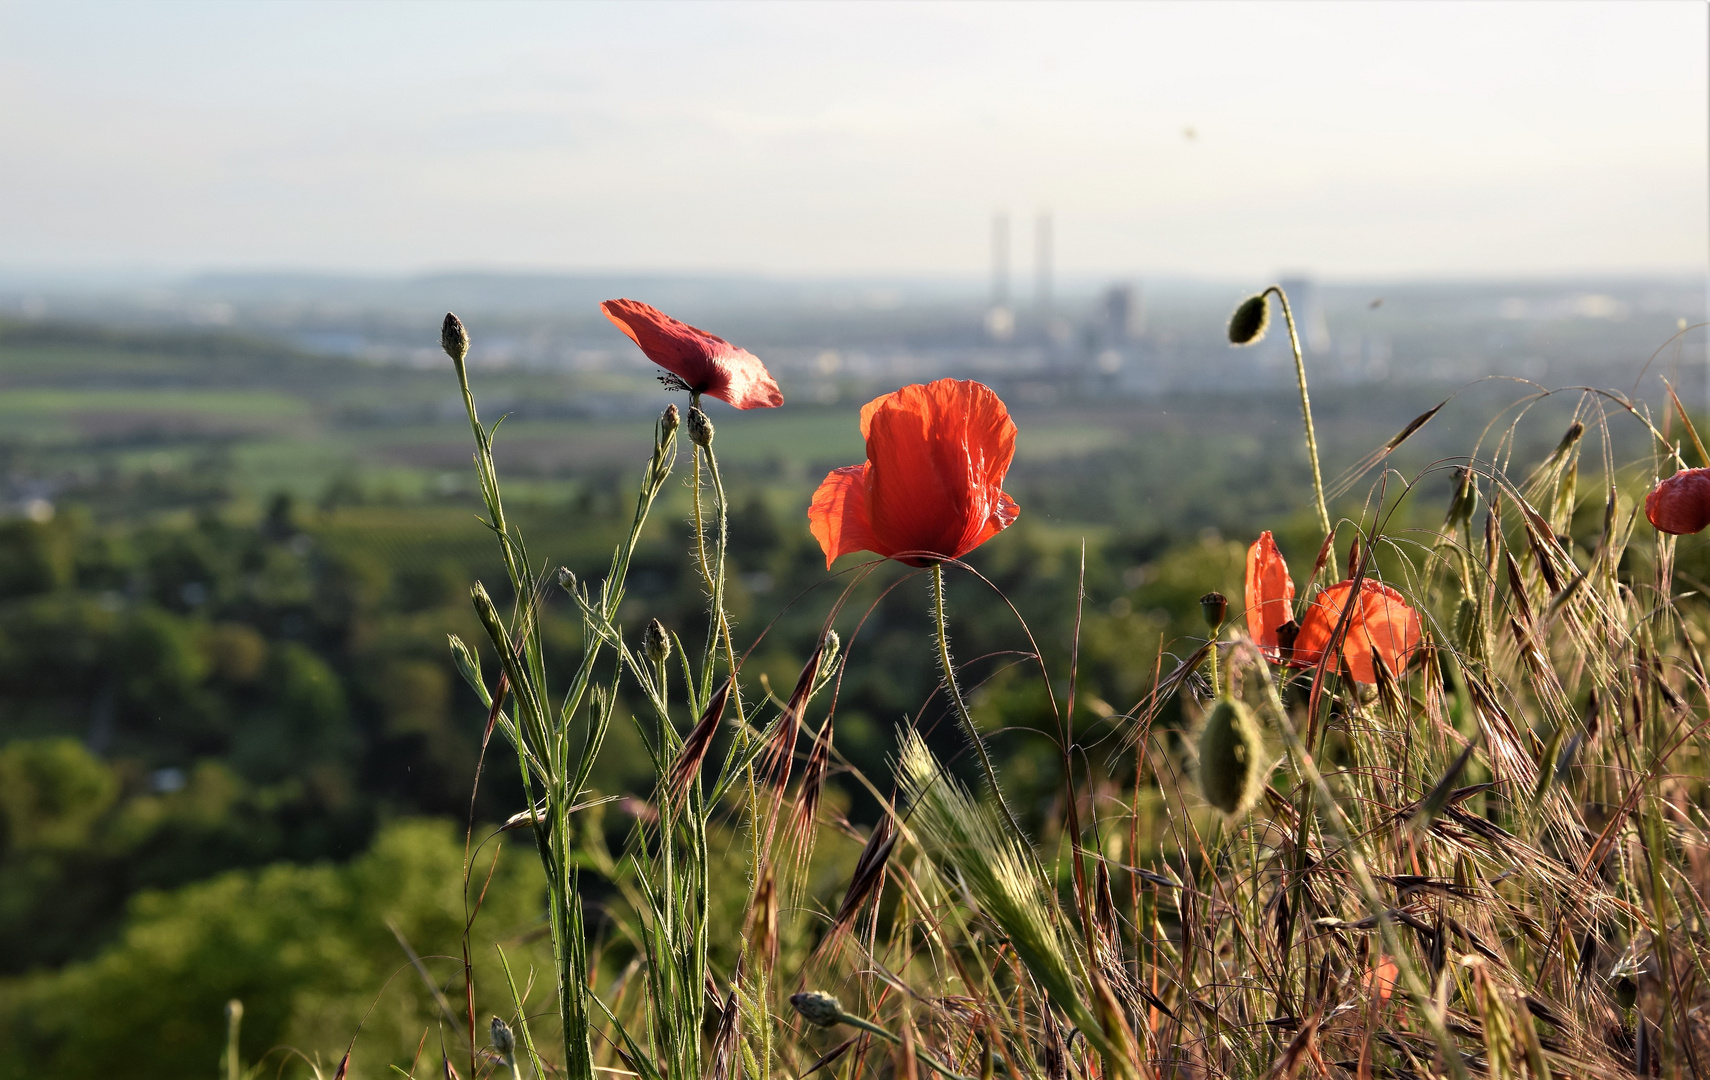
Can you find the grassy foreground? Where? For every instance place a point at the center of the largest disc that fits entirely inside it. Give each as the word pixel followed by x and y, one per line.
pixel 1490 862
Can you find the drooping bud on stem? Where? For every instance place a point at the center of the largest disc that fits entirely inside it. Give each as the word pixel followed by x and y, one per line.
pixel 668 422
pixel 1215 607
pixel 700 428
pixel 1250 321
pixel 1231 758
pixel 656 642
pixel 503 1041
pixel 820 1010
pixel 453 338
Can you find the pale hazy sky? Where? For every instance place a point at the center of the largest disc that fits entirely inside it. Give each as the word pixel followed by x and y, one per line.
pixel 1386 138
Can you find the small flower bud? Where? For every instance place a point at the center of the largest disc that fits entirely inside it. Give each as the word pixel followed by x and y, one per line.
pixel 503 1041
pixel 668 422
pixel 1231 758
pixel 1465 498
pixel 820 1010
pixel 453 338
pixel 832 644
pixel 700 428
pixel 1214 606
pixel 1247 326
pixel 656 641
pixel 566 579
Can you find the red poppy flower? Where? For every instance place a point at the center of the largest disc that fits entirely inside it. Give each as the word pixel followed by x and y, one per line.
pixel 1270 594
pixel 932 485
pixel 1382 626
pixel 708 364
pixel 1680 504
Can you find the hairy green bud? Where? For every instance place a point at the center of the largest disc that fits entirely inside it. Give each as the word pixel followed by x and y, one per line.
pixel 1231 758
pixel 503 1041
pixel 656 642
pixel 1247 326
pixel 820 1010
pixel 700 428
pixel 453 338
pixel 668 422
pixel 1466 624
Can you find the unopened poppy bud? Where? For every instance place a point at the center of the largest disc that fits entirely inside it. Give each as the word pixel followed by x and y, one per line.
pixel 656 641
pixel 1466 623
pixel 1231 758
pixel 820 1010
pixel 1247 326
pixel 503 1041
pixel 700 428
pixel 668 421
pixel 453 338
pixel 1214 606
pixel 1466 495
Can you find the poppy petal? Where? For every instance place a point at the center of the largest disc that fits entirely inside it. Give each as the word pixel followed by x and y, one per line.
pixel 1680 504
pixel 1270 594
pixel 939 453
pixel 707 362
pixel 1382 625
pixel 1320 621
pixel 1385 628
pixel 838 515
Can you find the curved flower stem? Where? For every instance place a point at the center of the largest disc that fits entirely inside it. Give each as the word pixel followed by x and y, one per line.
pixel 941 631
pixel 1305 408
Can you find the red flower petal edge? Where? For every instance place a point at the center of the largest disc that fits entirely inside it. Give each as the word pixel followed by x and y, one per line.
pixel 1382 626
pixel 1680 504
pixel 709 364
pixel 1270 594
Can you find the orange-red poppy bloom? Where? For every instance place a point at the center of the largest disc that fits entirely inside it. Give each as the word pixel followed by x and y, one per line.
pixel 1270 595
pixel 706 363
pixel 932 485
pixel 1680 504
pixel 1381 627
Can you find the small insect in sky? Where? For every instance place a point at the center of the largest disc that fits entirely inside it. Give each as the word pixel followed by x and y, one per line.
pixel 1375 304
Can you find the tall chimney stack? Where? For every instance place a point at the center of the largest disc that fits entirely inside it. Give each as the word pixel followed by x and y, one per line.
pixel 1000 259
pixel 1042 256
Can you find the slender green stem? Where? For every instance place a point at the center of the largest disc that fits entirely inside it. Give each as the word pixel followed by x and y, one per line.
pixel 941 629
pixel 1305 408
pixel 1215 685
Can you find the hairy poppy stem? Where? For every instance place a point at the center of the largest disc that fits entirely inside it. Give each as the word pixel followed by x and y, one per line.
pixel 1305 408
pixel 941 630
